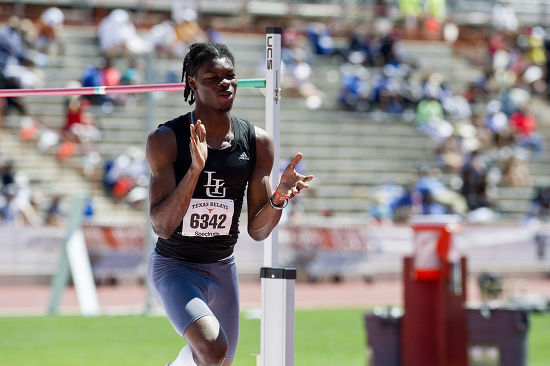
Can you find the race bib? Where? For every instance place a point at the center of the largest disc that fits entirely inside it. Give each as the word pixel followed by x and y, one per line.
pixel 208 217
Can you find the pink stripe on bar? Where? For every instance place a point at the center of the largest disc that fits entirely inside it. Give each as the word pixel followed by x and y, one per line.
pixel 91 90
pixel 122 89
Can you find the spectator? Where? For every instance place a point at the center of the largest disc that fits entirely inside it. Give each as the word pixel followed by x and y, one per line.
pixel 93 76
pixel 380 207
pixel 54 215
pixel 299 72
pixel 320 38
pixel 515 172
pixel 118 36
pixel 12 44
pixel 17 55
pixel 49 30
pixel 540 203
pixel 354 88
pixel 547 64
pixel 524 126
pixel 429 206
pixel 449 154
pixel 498 124
pixel 80 126
pixel 7 173
pixel 125 173
pixel 163 38
pixel 14 56
pixel 9 212
pixel 132 75
pixel 112 77
pixel 188 30
pixel 410 11
pixel 431 196
pixel 436 9
pixel 534 51
pixel 391 202
pixel 475 182
pixel 24 200
pixel 402 207
pixel 430 119
pixel 504 17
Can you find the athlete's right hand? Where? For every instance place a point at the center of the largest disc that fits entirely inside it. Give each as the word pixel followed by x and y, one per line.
pixel 197 145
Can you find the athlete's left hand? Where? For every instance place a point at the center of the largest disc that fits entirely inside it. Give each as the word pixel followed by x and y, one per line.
pixel 292 182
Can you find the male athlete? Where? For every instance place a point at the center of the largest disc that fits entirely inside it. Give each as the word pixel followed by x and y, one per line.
pixel 201 163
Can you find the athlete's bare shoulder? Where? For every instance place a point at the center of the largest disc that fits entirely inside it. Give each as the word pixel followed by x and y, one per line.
pixel 264 149
pixel 263 139
pixel 161 146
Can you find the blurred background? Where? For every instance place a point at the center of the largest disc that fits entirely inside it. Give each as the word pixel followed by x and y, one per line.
pixel 401 108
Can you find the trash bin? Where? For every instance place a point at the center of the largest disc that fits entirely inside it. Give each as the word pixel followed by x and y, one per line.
pixel 497 336
pixel 384 337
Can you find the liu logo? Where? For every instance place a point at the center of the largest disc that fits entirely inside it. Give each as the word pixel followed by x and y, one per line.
pixel 214 187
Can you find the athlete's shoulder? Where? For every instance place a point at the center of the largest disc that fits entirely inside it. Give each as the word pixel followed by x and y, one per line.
pixel 262 137
pixel 162 141
pixel 264 149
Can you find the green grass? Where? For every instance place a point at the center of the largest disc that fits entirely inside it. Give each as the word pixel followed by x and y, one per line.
pixel 323 337
pixel 539 340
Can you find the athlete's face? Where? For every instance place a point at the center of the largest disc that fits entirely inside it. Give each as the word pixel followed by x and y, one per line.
pixel 215 84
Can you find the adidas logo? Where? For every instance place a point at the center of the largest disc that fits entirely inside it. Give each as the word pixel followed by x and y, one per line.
pixel 244 156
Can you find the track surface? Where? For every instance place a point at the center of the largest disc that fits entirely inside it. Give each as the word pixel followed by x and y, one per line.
pixel 131 298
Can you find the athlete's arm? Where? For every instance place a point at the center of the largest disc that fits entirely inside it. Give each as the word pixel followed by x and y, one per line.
pixel 262 218
pixel 168 201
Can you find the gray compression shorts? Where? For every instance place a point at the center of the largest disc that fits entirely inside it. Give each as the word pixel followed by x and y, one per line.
pixel 189 291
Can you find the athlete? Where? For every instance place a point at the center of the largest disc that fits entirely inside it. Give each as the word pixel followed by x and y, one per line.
pixel 201 163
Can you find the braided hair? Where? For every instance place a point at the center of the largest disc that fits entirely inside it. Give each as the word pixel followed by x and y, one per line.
pixel 198 54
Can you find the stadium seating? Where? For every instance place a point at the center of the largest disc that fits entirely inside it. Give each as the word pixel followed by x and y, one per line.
pixel 349 153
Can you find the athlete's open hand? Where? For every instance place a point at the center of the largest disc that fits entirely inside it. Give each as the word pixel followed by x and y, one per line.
pixel 197 145
pixel 292 182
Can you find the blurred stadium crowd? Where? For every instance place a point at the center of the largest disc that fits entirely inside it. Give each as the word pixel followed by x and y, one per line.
pixel 485 132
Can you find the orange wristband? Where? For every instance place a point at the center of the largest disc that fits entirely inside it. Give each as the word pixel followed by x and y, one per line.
pixel 278 196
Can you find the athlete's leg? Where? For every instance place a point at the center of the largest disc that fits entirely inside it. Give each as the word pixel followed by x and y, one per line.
pixel 225 305
pixel 182 291
pixel 206 335
pixel 208 341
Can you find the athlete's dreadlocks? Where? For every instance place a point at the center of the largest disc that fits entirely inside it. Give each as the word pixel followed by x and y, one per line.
pixel 198 54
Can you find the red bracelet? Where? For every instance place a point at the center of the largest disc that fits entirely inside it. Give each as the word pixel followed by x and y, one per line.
pixel 278 196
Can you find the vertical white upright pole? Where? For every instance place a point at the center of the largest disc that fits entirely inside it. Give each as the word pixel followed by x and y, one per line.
pixel 150 118
pixel 277 323
pixel 272 119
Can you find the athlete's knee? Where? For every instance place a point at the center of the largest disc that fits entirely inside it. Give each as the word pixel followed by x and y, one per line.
pixel 208 340
pixel 212 353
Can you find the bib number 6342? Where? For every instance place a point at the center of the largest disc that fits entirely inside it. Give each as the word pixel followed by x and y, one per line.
pixel 204 221
pixel 208 217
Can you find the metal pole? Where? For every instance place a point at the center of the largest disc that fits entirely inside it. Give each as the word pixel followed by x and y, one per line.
pixel 149 126
pixel 272 119
pixel 277 322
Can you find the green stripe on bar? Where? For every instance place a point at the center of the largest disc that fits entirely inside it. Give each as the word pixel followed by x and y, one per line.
pixel 252 83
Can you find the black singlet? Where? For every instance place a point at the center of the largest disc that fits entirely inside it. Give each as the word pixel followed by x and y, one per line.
pixel 212 221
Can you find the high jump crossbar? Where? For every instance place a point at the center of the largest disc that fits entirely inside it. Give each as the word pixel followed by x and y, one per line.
pixel 121 89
